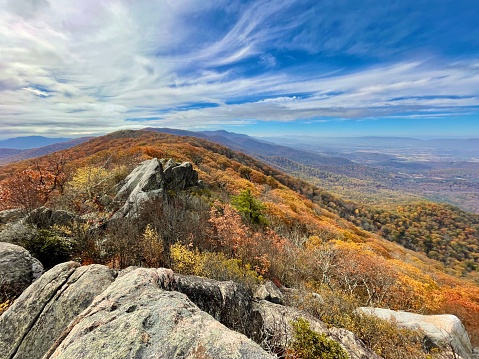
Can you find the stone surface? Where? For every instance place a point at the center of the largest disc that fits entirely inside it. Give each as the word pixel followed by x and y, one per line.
pixel 270 292
pixel 271 325
pixel 441 330
pixel 46 217
pixel 135 318
pixel 150 179
pixel 11 215
pixel 18 269
pixel 228 302
pixel 36 319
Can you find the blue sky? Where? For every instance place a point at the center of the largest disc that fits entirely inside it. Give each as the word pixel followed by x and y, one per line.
pixel 324 67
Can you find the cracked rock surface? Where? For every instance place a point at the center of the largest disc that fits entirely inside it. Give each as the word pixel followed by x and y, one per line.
pixel 31 325
pixel 138 319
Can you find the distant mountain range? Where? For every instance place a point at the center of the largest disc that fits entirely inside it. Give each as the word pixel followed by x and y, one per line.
pixel 28 142
pixel 260 148
pixel 12 154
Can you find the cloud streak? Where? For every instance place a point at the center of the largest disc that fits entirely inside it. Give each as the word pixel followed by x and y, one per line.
pixel 92 67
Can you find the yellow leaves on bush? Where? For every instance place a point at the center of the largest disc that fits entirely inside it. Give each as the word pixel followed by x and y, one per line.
pixel 152 248
pixel 92 180
pixel 211 265
pixel 186 261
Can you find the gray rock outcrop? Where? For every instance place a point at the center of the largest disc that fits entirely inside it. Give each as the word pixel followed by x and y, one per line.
pixel 138 319
pixel 18 269
pixel 228 302
pixel 37 318
pixel 11 215
pixel 442 331
pixel 151 179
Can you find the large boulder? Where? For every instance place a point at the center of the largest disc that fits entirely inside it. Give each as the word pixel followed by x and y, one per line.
pixel 442 331
pixel 151 179
pixel 271 325
pixel 37 318
pixel 18 269
pixel 136 318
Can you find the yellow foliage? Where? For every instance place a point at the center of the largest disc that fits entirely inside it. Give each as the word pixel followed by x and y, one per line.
pixel 212 265
pixel 152 247
pixel 186 261
pixel 5 305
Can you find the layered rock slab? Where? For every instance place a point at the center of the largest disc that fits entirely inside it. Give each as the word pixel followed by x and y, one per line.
pixel 135 318
pixel 36 319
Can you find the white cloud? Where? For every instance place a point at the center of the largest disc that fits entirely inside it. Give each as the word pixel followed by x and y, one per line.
pixel 86 68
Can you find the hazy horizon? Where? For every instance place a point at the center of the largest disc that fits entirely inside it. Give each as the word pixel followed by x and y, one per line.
pixel 328 68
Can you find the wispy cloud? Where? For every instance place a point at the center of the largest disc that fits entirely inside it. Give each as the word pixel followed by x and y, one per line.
pixel 92 67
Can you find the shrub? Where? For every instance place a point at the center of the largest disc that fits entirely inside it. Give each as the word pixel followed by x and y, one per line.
pixel 386 338
pixel 212 265
pixel 308 344
pixel 49 248
pixel 251 208
pixel 337 308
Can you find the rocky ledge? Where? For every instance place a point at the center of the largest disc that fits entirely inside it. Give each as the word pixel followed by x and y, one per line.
pixel 96 312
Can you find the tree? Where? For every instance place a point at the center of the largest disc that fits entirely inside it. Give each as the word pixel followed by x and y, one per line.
pixel 250 207
pixel 32 188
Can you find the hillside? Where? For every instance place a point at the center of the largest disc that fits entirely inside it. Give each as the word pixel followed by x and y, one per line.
pixel 298 235
pixel 379 171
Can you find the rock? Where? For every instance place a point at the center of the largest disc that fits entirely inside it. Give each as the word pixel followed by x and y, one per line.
pixel 37 318
pixel 135 318
pixel 441 330
pixel 179 176
pixel 270 292
pixel 45 217
pixel 18 269
pixel 95 312
pixel 151 179
pixel 17 233
pixel 228 302
pixel 271 325
pixel 11 215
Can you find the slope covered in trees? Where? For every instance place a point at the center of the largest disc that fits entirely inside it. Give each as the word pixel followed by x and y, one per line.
pixel 251 221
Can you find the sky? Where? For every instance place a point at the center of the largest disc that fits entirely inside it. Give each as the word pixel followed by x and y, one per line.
pixel 74 68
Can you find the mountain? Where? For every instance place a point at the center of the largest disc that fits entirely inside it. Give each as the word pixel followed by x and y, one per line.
pixel 248 221
pixel 8 155
pixel 9 152
pixel 259 148
pixel 28 142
